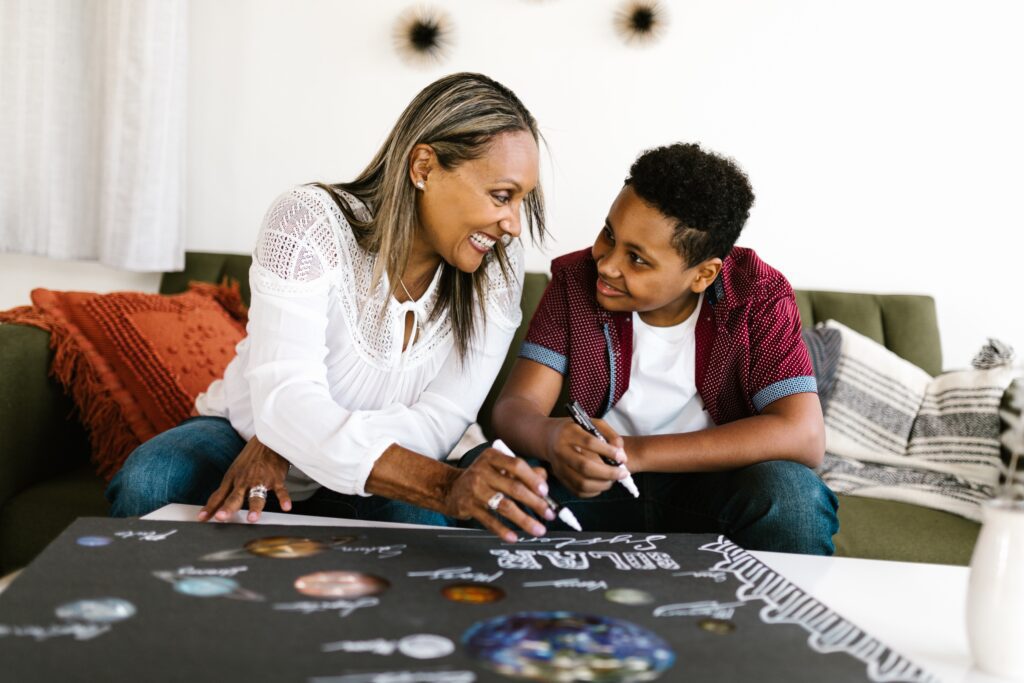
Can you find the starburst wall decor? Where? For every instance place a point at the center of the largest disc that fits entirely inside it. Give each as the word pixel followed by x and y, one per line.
pixel 641 21
pixel 423 35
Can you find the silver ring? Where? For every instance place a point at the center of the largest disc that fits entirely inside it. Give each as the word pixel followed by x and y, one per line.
pixel 258 491
pixel 495 500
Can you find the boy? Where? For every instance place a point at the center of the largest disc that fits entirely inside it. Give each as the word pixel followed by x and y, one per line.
pixel 690 351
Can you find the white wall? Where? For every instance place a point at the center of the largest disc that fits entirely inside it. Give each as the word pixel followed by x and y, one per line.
pixel 883 139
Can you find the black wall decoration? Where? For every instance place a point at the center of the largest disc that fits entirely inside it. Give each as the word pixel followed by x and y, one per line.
pixel 423 35
pixel 641 21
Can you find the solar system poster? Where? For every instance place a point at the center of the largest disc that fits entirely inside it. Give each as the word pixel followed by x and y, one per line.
pixel 136 600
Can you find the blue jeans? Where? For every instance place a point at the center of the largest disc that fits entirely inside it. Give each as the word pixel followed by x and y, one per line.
pixel 186 464
pixel 777 505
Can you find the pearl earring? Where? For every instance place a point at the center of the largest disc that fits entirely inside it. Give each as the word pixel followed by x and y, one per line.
pixel 420 184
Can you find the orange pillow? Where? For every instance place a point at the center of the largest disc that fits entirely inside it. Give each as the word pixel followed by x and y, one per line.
pixel 134 363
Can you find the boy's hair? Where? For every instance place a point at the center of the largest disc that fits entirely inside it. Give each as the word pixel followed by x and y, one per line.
pixel 708 196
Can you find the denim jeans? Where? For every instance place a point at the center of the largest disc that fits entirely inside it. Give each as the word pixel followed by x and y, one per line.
pixel 776 505
pixel 186 464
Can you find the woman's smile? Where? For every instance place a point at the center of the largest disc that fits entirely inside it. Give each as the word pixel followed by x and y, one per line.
pixel 482 242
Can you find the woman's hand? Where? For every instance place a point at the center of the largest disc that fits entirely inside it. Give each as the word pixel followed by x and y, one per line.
pixel 494 472
pixel 574 456
pixel 256 465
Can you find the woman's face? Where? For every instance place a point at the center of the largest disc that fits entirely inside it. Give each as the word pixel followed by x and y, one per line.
pixel 465 211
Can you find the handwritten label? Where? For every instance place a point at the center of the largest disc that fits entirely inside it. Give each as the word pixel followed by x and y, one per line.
pixel 706 608
pixel 401 677
pixel 78 631
pixel 217 571
pixel 458 573
pixel 418 646
pixel 639 543
pixel 344 607
pixel 569 583
pixel 716 576
pixel 377 646
pixel 578 560
pixel 384 551
pixel 145 535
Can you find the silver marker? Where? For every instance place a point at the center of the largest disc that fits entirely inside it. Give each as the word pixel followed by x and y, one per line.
pixel 564 513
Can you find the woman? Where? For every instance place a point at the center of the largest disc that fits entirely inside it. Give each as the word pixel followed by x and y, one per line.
pixel 381 312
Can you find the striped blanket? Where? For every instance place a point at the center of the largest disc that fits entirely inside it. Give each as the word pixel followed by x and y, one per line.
pixel 894 432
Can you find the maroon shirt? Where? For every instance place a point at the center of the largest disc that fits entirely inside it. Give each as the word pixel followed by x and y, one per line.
pixel 749 349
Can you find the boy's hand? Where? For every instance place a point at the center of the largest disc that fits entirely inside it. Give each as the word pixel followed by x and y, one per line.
pixel 575 459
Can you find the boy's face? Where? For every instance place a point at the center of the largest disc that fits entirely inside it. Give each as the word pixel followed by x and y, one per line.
pixel 638 268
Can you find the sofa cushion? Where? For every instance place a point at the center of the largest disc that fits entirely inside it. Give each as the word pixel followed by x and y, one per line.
pixel 890 530
pixel 37 438
pixel 873 400
pixel 133 363
pixel 893 433
pixel 35 516
pixel 906 324
pixel 956 435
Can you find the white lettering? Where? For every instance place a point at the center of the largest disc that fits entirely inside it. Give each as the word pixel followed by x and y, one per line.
pixel 569 583
pixel 145 535
pixel 218 571
pixel 706 608
pixel 76 630
pixel 344 607
pixel 516 559
pixel 458 573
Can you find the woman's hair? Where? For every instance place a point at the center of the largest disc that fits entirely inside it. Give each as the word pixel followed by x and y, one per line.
pixel 707 195
pixel 458 116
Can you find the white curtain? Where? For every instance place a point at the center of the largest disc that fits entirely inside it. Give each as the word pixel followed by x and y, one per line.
pixel 92 130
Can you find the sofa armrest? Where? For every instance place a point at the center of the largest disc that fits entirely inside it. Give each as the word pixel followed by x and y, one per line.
pixel 40 437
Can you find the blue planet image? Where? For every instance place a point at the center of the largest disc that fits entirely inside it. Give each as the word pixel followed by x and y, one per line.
pixel 94 541
pixel 567 646
pixel 101 610
pixel 206 586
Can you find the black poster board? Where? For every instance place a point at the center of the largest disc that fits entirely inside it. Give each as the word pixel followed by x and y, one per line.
pixel 138 600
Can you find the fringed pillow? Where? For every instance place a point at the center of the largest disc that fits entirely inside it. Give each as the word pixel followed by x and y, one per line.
pixel 133 363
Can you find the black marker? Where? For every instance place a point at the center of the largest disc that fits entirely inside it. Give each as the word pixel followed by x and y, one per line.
pixel 580 417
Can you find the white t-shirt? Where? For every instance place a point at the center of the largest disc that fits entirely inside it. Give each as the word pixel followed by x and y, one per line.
pixel 321 376
pixel 662 396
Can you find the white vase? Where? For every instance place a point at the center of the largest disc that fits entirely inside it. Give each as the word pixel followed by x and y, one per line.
pixel 995 594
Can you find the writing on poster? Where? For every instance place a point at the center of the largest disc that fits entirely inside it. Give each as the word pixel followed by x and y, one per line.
pixel 569 583
pixel 211 571
pixel 645 542
pixel 704 608
pixel 581 561
pixel 418 646
pixel 145 535
pixel 343 607
pixel 381 551
pixel 714 575
pixel 77 631
pixel 457 574
pixel 401 677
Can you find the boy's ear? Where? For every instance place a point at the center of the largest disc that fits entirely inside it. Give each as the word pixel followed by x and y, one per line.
pixel 707 271
pixel 422 160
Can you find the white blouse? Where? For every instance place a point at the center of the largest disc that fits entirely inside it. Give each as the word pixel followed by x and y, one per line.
pixel 321 376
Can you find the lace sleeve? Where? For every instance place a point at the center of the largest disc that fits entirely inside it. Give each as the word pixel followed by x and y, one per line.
pixel 504 293
pixel 297 245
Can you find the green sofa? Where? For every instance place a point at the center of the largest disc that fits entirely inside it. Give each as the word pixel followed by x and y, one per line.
pixel 46 481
